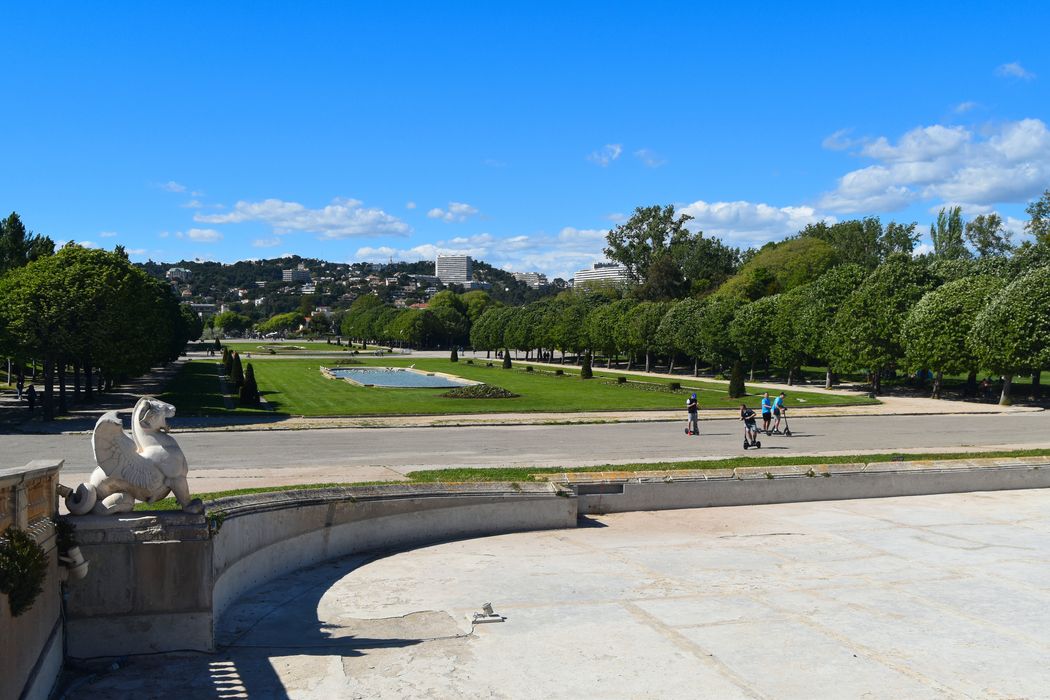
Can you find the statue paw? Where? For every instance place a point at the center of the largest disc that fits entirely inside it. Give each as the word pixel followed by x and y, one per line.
pixel 194 506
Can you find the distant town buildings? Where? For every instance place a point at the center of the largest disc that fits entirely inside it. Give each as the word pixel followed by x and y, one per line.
pixel 607 273
pixel 178 274
pixel 298 274
pixel 533 279
pixel 454 269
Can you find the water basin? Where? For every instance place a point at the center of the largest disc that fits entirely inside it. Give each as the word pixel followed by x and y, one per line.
pixel 403 377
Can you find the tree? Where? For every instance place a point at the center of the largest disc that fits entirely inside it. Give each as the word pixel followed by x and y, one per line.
pixel 752 331
pixel 568 332
pixel 712 331
pixel 585 369
pixel 1038 224
pixel 664 280
pixel 649 234
pixel 866 333
pixel 454 356
pixel 249 393
pixel 947 235
pixel 707 263
pixel 447 299
pixel 281 323
pixel 477 302
pixel 231 322
pixel 897 238
pixel 857 241
pixel 506 358
pixel 603 328
pixel 454 326
pixel 987 236
pixel 487 331
pixel 1012 333
pixel 19 246
pixel 643 321
pixel 806 322
pixel 779 267
pixel 936 331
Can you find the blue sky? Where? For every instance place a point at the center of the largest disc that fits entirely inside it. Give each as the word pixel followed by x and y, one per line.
pixel 516 132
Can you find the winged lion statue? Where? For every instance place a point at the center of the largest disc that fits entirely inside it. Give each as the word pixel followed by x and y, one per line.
pixel 146 466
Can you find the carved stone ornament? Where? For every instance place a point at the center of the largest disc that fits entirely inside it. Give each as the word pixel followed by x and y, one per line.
pixel 146 466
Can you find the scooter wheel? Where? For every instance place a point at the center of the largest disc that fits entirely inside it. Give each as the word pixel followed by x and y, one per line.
pixel 787 433
pixel 758 445
pixel 746 445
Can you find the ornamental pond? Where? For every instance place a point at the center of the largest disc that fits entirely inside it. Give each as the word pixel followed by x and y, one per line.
pixel 399 377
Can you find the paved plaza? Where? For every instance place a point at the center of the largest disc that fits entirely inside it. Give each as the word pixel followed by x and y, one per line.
pixel 919 597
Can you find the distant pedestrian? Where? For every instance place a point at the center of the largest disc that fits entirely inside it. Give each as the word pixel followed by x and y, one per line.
pixel 31 396
pixel 778 409
pixel 986 388
pixel 20 387
pixel 767 412
pixel 692 425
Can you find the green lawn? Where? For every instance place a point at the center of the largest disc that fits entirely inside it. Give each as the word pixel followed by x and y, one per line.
pixel 297 387
pixel 292 347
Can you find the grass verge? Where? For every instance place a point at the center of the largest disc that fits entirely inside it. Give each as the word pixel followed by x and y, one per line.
pixel 526 473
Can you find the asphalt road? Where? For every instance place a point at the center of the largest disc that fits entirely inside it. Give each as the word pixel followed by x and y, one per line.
pixel 359 453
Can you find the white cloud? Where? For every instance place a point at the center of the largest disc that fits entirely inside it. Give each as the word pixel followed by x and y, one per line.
pixel 616 217
pixel 192 204
pixel 1014 70
pixel 921 249
pixel 839 141
pixel 135 251
pixel 650 158
pixel 87 244
pixel 410 205
pixel 749 223
pixel 163 234
pixel 172 186
pixel 342 218
pixel 1004 162
pixel 107 234
pixel 266 242
pixel 201 235
pixel 457 211
pixel 964 107
pixel 606 154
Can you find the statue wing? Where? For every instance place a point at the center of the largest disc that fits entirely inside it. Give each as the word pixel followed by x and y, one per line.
pixel 114 450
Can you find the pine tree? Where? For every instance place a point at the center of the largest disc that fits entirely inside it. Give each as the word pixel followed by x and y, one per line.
pixel 506 359
pixel 218 345
pixel 585 369
pixel 454 357
pixel 249 394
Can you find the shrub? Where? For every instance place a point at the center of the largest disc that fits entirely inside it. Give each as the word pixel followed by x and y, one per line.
pixel 489 364
pixel 479 391
pixel 585 370
pixel 506 359
pixel 470 362
pixel 23 568
pixel 621 380
pixel 237 371
pixel 559 373
pixel 736 381
pixel 675 386
pixel 249 395
pixel 454 357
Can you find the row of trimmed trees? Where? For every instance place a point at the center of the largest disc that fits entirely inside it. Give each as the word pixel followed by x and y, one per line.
pixel 908 313
pixel 87 314
pixel 241 377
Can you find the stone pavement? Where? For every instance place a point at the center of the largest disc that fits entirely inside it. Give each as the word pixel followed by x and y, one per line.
pixel 921 597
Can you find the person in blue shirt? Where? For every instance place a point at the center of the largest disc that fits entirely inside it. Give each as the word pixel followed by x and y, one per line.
pixel 767 412
pixel 779 409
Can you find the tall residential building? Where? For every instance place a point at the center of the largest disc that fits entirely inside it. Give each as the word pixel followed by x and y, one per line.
pixel 533 279
pixel 454 269
pixel 298 274
pixel 607 273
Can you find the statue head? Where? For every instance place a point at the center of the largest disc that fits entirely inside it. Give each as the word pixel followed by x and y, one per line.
pixel 153 414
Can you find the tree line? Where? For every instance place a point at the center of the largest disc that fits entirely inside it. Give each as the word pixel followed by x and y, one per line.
pixel 88 317
pixel 849 297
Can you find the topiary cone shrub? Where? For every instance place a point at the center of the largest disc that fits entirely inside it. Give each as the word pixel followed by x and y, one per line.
pixel 506 359
pixel 736 381
pixel 249 394
pixel 454 357
pixel 585 369
pixel 237 371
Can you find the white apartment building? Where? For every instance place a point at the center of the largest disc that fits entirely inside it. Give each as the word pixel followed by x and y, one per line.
pixel 454 269
pixel 178 274
pixel 606 273
pixel 533 279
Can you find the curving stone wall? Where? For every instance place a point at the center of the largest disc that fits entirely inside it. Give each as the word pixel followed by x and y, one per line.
pixel 161 580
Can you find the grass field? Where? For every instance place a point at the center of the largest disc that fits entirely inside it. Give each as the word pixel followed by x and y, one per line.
pixel 521 474
pixel 297 387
